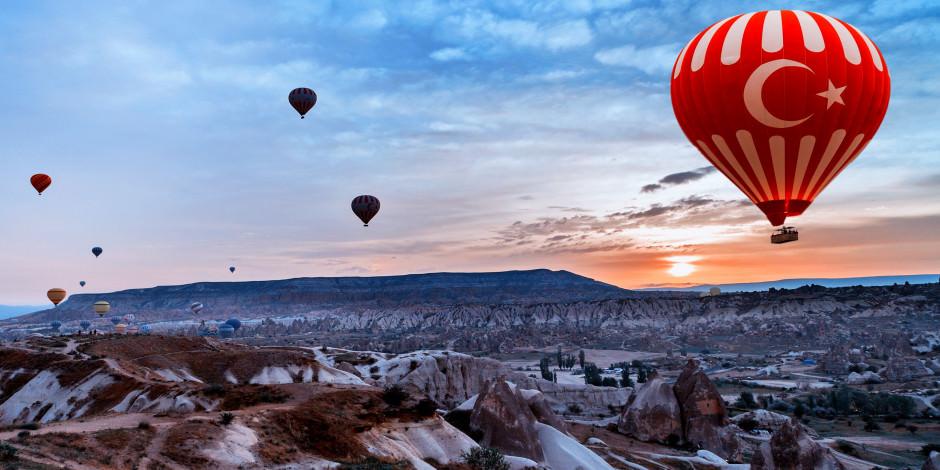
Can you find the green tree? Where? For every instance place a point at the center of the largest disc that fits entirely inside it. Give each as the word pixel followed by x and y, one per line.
pixel 799 410
pixel 581 358
pixel 746 400
pixel 641 374
pixel 625 380
pixel 592 374
pixel 485 458
pixel 558 359
pixel 545 369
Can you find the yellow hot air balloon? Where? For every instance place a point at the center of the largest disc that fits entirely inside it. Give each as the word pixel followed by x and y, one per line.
pixel 102 307
pixel 56 295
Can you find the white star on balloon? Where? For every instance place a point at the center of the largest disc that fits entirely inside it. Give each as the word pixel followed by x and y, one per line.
pixel 832 95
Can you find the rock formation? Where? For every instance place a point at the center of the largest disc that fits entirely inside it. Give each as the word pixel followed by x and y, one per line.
pixel 904 369
pixel 704 416
pixel 691 411
pixel 933 461
pixel 768 421
pixel 791 448
pixel 867 377
pixel 653 414
pixel 502 417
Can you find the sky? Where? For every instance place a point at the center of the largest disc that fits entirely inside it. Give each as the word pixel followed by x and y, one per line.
pixel 501 135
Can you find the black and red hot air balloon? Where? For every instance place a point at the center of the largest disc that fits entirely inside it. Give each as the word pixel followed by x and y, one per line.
pixel 780 102
pixel 303 100
pixel 40 182
pixel 365 207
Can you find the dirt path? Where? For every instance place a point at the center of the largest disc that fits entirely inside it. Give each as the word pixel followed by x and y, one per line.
pixel 117 421
pixel 152 454
pixel 878 442
pixel 29 455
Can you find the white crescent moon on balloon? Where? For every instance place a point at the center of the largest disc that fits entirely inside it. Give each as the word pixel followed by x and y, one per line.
pixel 754 87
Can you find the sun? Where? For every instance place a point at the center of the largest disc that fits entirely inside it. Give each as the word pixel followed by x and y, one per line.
pixel 682 266
pixel 681 269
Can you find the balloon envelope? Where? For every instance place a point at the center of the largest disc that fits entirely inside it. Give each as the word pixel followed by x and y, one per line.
pixel 56 295
pixel 115 320
pixel 85 324
pixel 40 182
pixel 120 328
pixel 365 207
pixel 302 99
pixel 234 323
pixel 196 307
pixel 145 329
pixel 780 102
pixel 81 283
pixel 55 324
pixel 97 251
pixel 102 307
pixel 231 269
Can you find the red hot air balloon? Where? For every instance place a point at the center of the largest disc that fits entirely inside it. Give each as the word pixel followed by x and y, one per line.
pixel 780 102
pixel 365 207
pixel 40 182
pixel 302 99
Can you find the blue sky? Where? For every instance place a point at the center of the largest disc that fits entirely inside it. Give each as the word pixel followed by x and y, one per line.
pixel 498 135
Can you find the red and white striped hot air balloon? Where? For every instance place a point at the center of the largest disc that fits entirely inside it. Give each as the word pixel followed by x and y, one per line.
pixel 780 102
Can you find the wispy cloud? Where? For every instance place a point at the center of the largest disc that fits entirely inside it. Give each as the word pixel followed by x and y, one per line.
pixel 675 179
pixel 654 60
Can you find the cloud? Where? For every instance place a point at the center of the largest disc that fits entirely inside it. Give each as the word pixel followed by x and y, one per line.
pixel 676 179
pixel 655 60
pixel 483 25
pixel 591 233
pixel 449 54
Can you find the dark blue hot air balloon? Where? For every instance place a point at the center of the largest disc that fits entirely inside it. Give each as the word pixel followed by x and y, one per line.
pixel 145 330
pixel 231 269
pixel 85 324
pixel 115 320
pixel 235 323
pixel 81 283
pixel 55 324
pixel 97 251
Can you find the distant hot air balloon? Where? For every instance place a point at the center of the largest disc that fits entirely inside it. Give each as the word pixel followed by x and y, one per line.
pixel 97 251
pixel 129 318
pixel 196 307
pixel 234 323
pixel 302 99
pixel 226 331
pixel 115 320
pixel 85 324
pixel 55 324
pixel 145 329
pixel 120 328
pixel 56 295
pixel 365 207
pixel 102 307
pixel 40 182
pixel 81 283
pixel 231 269
pixel 133 330
pixel 780 102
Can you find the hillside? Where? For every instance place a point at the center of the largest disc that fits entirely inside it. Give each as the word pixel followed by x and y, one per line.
pixel 867 281
pixel 303 295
